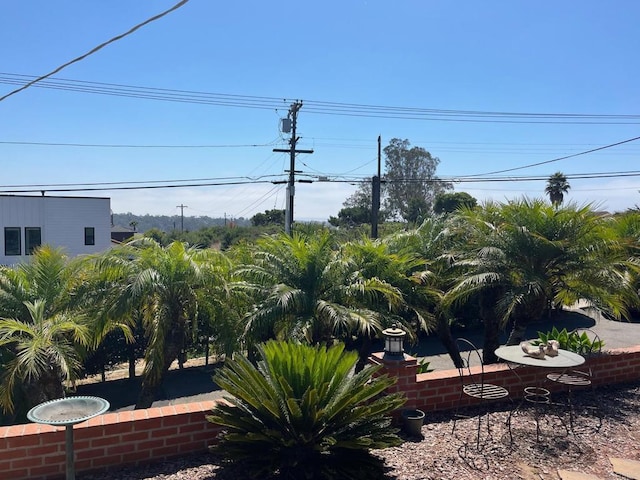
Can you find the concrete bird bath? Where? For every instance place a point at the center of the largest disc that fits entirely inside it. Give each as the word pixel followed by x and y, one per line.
pixel 67 412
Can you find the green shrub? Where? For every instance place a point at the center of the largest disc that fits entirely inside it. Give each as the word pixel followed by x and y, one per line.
pixel 573 341
pixel 303 413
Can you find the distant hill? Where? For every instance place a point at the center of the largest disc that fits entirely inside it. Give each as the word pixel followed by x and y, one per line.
pixel 167 223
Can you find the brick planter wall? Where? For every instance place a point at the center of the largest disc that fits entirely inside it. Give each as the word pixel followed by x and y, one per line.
pixel 440 390
pixel 112 440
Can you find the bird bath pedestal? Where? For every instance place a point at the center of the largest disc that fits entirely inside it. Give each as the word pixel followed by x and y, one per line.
pixel 67 412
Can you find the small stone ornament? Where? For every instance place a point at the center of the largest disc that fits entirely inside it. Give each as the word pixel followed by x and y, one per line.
pixel 552 348
pixel 535 351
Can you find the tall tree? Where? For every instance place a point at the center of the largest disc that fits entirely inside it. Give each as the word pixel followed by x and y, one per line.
pixel 269 217
pixel 450 202
pixel 411 184
pixel 557 186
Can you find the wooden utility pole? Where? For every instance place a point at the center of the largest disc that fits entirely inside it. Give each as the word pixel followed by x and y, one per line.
pixel 293 116
pixel 375 196
pixel 182 207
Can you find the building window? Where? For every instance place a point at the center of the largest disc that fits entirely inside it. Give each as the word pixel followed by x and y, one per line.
pixel 32 239
pixel 12 243
pixel 89 236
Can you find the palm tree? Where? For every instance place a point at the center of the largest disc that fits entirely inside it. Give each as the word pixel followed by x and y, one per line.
pixel 380 261
pixel 166 287
pixel 430 244
pixel 304 290
pixel 44 331
pixel 44 354
pixel 557 186
pixel 48 276
pixel 530 256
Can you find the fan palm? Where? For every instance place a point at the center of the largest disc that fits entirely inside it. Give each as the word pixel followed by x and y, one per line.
pixel 557 186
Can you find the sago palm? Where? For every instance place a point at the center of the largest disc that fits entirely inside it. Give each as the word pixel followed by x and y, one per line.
pixel 301 408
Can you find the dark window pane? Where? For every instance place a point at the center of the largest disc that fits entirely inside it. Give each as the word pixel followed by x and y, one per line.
pixel 12 244
pixel 89 236
pixel 32 239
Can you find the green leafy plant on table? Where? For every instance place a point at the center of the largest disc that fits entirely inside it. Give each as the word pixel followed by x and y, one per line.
pixel 578 342
pixel 302 413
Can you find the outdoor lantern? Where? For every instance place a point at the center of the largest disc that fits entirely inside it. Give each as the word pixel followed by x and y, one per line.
pixel 393 338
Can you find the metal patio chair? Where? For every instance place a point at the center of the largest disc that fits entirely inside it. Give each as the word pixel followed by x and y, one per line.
pixel 473 384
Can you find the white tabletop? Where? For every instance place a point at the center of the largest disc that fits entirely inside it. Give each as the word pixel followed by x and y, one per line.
pixel 564 359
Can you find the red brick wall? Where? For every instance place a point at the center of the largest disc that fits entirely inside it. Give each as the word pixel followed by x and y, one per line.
pixel 111 440
pixel 440 390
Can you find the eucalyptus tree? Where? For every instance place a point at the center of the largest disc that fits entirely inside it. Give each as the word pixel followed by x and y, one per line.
pixel 530 256
pixel 43 332
pixel 167 287
pixel 304 290
pixel 412 184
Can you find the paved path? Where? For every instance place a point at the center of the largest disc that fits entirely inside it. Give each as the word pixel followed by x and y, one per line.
pixel 621 466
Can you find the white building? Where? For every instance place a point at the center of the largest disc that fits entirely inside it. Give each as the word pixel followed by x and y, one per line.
pixel 80 225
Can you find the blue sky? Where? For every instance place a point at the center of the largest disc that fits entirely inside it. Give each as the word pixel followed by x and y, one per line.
pixel 552 57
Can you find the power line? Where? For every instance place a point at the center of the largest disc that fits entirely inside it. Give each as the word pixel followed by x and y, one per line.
pixel 105 145
pixel 95 49
pixel 174 181
pixel 557 159
pixel 321 107
pixel 138 187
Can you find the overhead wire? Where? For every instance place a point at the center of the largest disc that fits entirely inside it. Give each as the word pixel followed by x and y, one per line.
pixel 105 145
pixel 558 159
pixel 320 107
pixel 225 181
pixel 95 49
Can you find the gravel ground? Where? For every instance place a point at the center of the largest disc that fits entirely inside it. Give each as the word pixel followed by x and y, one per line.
pixel 613 429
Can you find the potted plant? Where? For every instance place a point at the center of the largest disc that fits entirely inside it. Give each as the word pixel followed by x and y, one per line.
pixel 412 420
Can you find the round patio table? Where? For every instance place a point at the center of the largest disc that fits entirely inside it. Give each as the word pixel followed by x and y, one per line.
pixel 536 394
pixel 515 354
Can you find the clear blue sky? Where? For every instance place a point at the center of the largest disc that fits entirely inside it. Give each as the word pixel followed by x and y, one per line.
pixel 560 57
